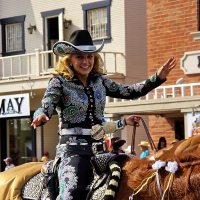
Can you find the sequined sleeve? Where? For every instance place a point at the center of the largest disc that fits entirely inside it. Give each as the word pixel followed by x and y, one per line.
pixel 134 91
pixel 51 98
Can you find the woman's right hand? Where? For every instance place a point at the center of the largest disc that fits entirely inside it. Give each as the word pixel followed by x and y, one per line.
pixel 38 120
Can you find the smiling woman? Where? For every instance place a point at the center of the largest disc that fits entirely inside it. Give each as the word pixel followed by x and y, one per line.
pixel 78 92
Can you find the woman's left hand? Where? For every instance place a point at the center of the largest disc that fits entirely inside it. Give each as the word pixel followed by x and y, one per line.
pixel 133 120
pixel 166 68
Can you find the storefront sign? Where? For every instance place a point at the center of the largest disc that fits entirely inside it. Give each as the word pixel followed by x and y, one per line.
pixel 16 105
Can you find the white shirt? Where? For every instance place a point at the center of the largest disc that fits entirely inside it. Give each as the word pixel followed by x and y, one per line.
pixel 9 166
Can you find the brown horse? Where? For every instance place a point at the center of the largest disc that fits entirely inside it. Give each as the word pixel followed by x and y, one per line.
pixel 185 183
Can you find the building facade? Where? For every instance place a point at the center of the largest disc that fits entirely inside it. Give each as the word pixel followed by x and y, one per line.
pixel 139 37
pixel 173 29
pixel 27 35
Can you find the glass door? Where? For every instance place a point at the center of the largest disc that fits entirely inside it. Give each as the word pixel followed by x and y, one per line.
pixel 19 140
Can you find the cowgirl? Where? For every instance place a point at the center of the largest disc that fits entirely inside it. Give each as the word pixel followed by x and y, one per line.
pixel 78 92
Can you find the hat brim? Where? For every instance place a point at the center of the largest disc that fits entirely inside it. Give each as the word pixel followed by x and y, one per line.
pixel 61 48
pixel 144 145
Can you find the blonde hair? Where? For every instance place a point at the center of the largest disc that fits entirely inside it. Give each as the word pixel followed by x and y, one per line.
pixel 44 159
pixel 63 66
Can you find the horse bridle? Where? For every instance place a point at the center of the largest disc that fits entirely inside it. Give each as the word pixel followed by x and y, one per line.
pixel 153 147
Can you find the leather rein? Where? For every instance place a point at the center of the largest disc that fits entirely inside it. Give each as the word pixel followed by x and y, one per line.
pixel 153 147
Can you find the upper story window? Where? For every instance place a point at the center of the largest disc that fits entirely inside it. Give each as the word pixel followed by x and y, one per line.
pixel 13 37
pixel 97 20
pixel 13 42
pixel 97 23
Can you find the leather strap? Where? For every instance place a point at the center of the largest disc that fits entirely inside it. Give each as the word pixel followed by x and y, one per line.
pixel 153 147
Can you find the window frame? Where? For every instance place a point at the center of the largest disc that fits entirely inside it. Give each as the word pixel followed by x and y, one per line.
pixel 45 15
pixel 95 5
pixel 12 20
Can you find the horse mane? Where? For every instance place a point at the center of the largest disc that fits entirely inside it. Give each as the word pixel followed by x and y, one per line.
pixel 186 178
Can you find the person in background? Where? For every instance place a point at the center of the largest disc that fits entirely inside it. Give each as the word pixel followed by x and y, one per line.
pixel 144 147
pixel 107 140
pixel 162 143
pixel 111 146
pixel 9 163
pixel 46 153
pixel 34 159
pixel 77 91
pixel 44 159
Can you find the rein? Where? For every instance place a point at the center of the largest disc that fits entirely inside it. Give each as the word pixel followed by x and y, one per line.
pixel 153 147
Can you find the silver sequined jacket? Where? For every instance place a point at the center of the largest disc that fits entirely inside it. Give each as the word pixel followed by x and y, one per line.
pixel 79 106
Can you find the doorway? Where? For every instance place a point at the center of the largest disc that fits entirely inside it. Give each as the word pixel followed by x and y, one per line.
pixel 179 130
pixel 53 37
pixel 20 140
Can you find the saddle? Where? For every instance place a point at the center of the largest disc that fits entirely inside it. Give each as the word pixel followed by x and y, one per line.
pixel 107 169
pixel 106 172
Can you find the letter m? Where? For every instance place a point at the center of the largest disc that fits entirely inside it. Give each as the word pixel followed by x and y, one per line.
pixel 2 108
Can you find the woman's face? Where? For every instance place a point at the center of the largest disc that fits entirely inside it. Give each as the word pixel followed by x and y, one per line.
pixel 162 144
pixel 82 64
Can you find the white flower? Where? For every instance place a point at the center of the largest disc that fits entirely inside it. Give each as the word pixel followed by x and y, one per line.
pixel 158 164
pixel 172 166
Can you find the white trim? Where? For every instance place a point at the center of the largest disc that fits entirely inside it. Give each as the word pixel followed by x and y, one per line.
pixel 86 48
pixel 196 35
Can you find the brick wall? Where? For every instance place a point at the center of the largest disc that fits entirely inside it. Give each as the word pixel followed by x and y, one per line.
pixel 169 24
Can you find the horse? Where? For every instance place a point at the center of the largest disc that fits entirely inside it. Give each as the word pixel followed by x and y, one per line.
pixel 139 180
pixel 137 177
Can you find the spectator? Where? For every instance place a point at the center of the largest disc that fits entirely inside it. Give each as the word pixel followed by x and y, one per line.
pixel 112 141
pixel 9 163
pixel 144 147
pixel 162 143
pixel 34 159
pixel 107 140
pixel 46 153
pixel 44 159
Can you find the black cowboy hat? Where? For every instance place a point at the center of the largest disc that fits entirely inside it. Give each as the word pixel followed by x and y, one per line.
pixel 80 41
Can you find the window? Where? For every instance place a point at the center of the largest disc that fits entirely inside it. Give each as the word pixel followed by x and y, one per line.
pixel 97 20
pixel 20 140
pixel 13 36
pixel 97 23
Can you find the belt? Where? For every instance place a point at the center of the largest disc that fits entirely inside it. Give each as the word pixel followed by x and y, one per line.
pixel 93 148
pixel 76 131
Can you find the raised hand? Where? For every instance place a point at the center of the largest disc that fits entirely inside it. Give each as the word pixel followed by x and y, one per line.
pixel 166 68
pixel 38 120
